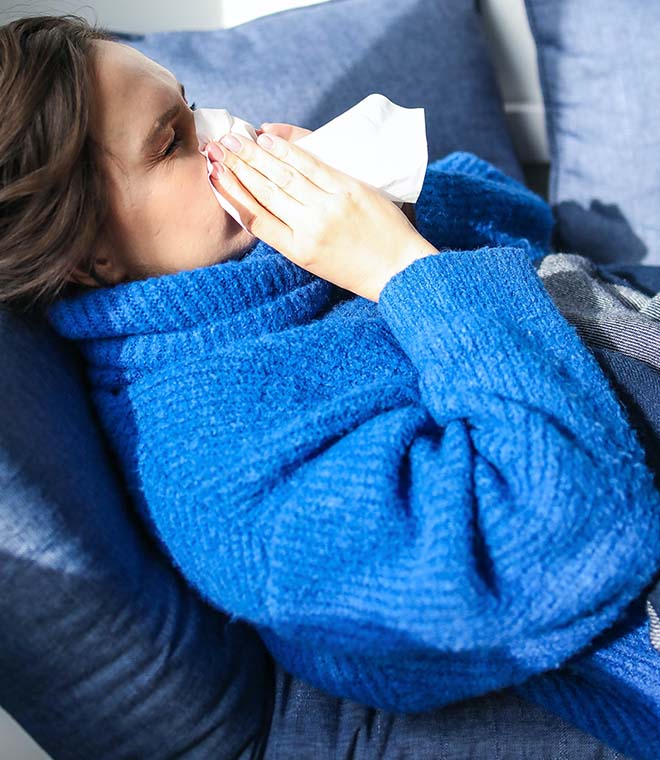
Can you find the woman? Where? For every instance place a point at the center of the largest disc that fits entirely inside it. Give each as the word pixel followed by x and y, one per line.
pixel 384 446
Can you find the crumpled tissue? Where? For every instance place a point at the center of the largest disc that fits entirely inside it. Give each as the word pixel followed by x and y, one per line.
pixel 376 141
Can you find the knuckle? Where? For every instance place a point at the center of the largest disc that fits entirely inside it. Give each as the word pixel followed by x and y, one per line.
pixel 305 256
pixel 226 156
pixel 338 204
pixel 265 193
pixel 348 194
pixel 247 150
pixel 317 235
pixel 285 179
pixel 230 160
pixel 270 189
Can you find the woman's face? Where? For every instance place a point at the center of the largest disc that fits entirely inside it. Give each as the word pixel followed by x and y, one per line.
pixel 164 217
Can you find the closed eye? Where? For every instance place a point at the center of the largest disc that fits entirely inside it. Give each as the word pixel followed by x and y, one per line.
pixel 173 146
pixel 176 141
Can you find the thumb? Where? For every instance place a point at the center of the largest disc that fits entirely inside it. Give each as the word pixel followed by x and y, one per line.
pixel 288 132
pixel 279 129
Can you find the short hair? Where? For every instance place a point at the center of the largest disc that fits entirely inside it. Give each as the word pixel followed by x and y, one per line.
pixel 53 202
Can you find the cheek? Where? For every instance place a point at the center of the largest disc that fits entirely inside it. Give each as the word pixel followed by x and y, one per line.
pixel 200 231
pixel 200 202
pixel 182 202
pixel 175 222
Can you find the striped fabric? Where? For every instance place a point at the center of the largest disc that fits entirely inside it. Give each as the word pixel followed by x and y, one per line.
pixel 654 621
pixel 605 313
pixel 608 313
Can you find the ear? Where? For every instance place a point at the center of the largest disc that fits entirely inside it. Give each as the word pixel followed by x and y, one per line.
pixel 106 268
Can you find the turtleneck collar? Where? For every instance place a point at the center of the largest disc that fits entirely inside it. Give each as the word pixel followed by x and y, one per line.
pixel 262 290
pixel 240 296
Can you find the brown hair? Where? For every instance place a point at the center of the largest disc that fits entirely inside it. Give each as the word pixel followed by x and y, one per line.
pixel 52 200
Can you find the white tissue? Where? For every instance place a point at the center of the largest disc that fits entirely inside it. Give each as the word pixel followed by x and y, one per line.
pixel 375 141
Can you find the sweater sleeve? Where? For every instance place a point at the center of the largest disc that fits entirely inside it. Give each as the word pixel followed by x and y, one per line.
pixel 467 203
pixel 483 532
pixel 414 541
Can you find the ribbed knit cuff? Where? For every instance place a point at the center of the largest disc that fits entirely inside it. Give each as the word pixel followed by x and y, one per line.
pixel 501 282
pixel 483 317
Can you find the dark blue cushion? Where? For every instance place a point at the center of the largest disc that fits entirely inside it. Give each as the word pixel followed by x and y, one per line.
pixel 599 66
pixel 305 66
pixel 104 651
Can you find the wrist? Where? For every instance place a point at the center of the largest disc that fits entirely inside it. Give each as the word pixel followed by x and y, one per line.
pixel 419 248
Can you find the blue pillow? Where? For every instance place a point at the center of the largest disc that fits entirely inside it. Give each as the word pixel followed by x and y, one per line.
pixel 599 65
pixel 104 651
pixel 307 65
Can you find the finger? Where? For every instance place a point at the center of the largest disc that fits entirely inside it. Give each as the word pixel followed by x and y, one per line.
pixel 311 168
pixel 321 174
pixel 288 132
pixel 280 129
pixel 269 194
pixel 288 179
pixel 257 219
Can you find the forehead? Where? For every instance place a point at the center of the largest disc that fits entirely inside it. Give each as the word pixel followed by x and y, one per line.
pixel 131 92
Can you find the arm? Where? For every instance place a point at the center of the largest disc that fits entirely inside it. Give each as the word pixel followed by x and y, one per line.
pixel 475 514
pixel 482 533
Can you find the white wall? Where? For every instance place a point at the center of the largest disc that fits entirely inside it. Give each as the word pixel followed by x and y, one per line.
pixel 239 11
pixel 15 744
pixel 125 15
pixel 153 15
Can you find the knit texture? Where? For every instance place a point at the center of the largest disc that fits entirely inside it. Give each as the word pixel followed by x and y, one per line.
pixel 414 501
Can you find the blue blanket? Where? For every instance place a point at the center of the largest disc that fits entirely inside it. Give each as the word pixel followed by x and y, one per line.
pixel 414 501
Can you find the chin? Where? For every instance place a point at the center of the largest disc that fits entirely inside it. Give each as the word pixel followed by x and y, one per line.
pixel 244 240
pixel 237 246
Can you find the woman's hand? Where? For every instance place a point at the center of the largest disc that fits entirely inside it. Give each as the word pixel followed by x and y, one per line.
pixel 292 133
pixel 322 219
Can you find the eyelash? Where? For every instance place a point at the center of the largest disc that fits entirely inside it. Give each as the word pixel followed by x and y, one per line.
pixel 174 145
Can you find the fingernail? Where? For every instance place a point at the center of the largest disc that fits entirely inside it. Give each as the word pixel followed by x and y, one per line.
pixel 231 142
pixel 218 169
pixel 265 141
pixel 215 152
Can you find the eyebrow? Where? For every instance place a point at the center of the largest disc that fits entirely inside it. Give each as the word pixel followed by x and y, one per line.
pixel 163 121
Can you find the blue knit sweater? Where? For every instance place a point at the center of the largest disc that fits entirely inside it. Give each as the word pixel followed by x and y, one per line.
pixel 414 501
